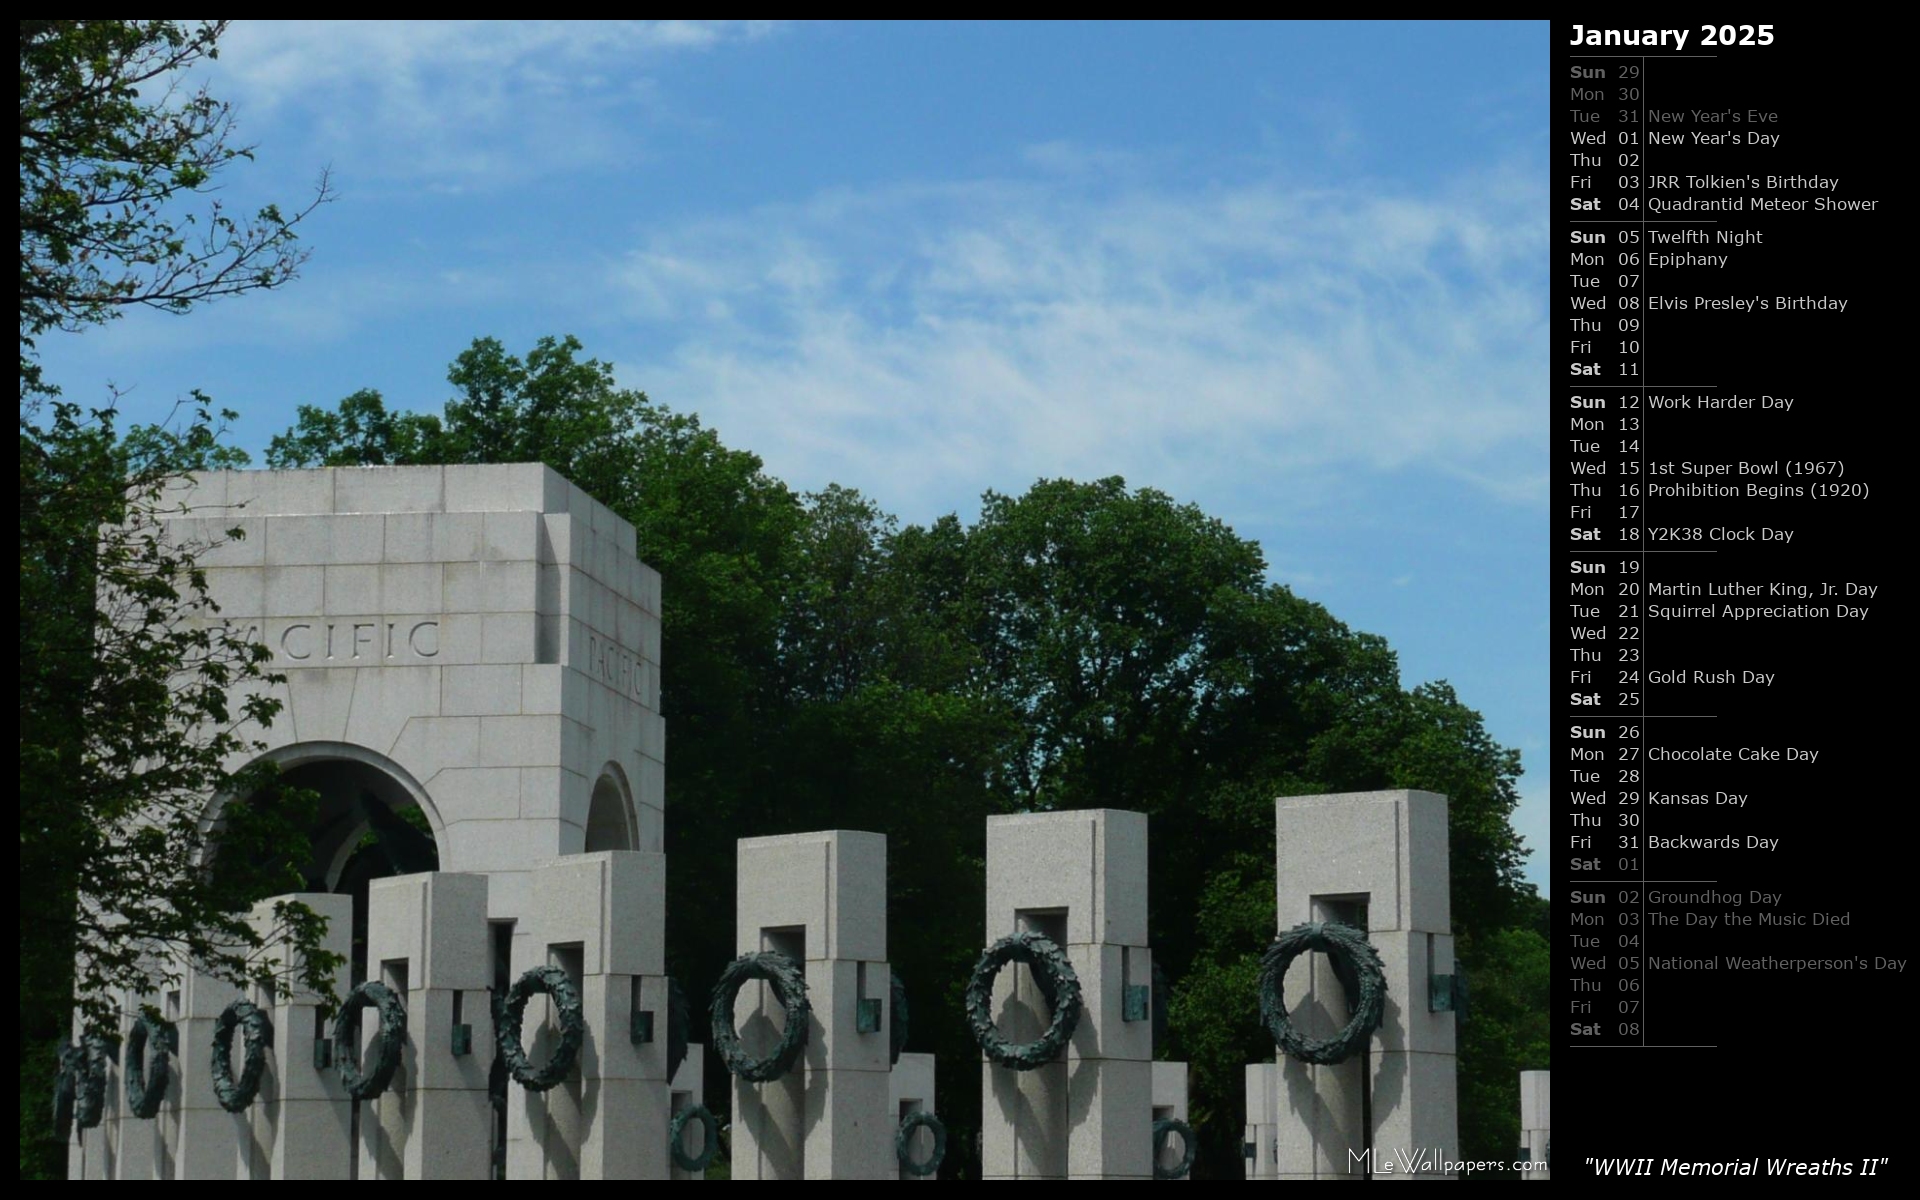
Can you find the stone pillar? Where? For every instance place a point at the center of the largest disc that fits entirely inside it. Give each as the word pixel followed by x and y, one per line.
pixel 821 899
pixel 137 1148
pixel 1260 1144
pixel 94 1153
pixel 601 918
pixel 301 1124
pixel 1377 860
pixel 1081 878
pixel 207 1140
pixel 427 940
pixel 910 1088
pixel 1536 1123
pixel 1170 1100
pixel 162 1137
pixel 687 1088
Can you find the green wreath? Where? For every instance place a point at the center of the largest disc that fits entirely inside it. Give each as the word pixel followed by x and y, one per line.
pixel 1057 982
pixel 510 1014
pixel 1350 950
pixel 147 1075
pixel 1162 1129
pixel 789 987
pixel 896 1019
pixel 370 1082
pixel 711 1143
pixel 64 1072
pixel 679 1025
pixel 80 1087
pixel 910 1124
pixel 91 1104
pixel 235 1094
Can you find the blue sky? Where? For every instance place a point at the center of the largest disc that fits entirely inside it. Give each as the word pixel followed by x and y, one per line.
pixel 1296 273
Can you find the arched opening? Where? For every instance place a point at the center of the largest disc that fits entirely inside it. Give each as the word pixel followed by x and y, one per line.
pixel 373 821
pixel 609 821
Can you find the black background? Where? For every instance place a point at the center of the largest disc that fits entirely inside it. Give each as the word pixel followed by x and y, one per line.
pixel 1800 1065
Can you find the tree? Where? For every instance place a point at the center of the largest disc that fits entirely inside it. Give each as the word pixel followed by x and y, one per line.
pixel 133 698
pixel 134 701
pixel 360 432
pixel 113 148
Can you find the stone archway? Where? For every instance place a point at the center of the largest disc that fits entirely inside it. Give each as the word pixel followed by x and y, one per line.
pixel 610 824
pixel 374 821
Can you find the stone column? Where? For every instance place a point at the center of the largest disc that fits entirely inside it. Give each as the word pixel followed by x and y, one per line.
pixel 427 940
pixel 301 1123
pixel 911 1089
pixel 601 918
pixel 1260 1144
pixel 687 1088
pixel 1170 1099
pixel 821 899
pixel 94 1153
pixel 1377 860
pixel 1536 1123
pixel 1081 878
pixel 137 1142
pixel 208 1141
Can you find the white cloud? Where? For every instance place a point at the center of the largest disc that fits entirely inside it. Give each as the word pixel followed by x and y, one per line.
pixel 1248 338
pixel 447 103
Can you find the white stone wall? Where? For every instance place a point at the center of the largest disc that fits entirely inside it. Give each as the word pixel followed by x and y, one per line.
pixel 482 633
pixel 297 1126
pixel 1385 852
pixel 1083 876
pixel 829 1118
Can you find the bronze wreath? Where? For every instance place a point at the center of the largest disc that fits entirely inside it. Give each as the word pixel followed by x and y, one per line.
pixel 1347 946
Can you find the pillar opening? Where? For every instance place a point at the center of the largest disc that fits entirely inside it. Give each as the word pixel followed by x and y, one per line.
pixel 761 1032
pixel 1028 1008
pixel 371 823
pixel 609 814
pixel 500 945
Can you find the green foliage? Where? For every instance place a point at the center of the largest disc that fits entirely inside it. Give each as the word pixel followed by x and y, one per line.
pixel 360 432
pixel 1508 1032
pixel 114 150
pixel 133 697
pixel 551 407
pixel 1080 645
